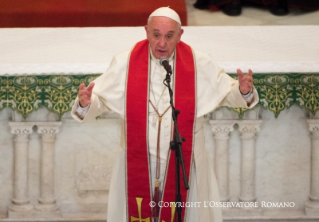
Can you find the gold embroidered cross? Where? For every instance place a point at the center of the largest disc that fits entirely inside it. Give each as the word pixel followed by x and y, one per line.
pixel 139 208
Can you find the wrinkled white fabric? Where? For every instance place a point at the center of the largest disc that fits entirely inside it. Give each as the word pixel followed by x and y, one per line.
pixel 214 88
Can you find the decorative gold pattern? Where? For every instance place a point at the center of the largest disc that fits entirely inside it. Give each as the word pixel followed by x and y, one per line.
pixel 280 91
pixel 139 208
pixel 309 93
pixel 28 93
pixel 173 208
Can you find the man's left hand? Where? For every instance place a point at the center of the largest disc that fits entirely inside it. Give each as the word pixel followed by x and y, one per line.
pixel 245 81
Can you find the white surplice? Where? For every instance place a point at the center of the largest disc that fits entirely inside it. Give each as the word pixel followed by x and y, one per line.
pixel 214 88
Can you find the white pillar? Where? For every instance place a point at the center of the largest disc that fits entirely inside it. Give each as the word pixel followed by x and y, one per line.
pixel 20 200
pixel 48 131
pixel 312 205
pixel 221 130
pixel 248 130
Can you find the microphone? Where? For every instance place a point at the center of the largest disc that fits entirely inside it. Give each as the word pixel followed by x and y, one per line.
pixel 164 62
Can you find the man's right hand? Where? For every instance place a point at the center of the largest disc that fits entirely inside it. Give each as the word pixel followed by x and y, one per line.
pixel 84 94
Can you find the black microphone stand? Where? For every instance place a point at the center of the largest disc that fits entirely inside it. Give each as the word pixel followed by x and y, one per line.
pixel 176 145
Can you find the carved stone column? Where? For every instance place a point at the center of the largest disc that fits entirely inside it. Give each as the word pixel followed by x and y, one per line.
pixel 48 131
pixel 20 200
pixel 312 205
pixel 221 130
pixel 248 130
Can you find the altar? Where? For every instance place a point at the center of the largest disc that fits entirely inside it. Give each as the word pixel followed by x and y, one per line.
pixel 53 168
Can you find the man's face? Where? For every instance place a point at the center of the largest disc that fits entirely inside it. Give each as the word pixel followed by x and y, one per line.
pixel 163 34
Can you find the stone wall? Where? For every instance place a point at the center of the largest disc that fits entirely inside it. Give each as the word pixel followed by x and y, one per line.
pixel 54 170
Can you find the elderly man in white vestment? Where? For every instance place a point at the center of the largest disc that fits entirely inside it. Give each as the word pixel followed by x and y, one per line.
pixel 110 93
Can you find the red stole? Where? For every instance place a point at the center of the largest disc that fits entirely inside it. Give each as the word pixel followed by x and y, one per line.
pixel 137 162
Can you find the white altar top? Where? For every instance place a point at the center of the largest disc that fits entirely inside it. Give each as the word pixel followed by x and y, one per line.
pixel 264 49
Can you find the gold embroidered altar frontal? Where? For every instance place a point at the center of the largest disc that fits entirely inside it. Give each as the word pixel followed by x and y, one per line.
pixel 28 93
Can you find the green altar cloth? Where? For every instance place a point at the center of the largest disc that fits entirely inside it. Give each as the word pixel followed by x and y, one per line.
pixel 28 93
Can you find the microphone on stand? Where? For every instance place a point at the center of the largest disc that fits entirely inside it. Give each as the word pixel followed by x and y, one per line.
pixel 165 63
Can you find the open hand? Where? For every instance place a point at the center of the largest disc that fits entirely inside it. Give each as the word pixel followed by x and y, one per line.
pixel 245 81
pixel 84 94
